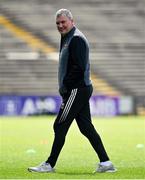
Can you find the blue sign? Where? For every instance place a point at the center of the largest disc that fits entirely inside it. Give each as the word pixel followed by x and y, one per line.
pixel 37 105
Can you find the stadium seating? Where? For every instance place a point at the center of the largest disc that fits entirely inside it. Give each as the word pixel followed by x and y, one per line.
pixel 115 32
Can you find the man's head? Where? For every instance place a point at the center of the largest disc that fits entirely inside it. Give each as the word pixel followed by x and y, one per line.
pixel 64 21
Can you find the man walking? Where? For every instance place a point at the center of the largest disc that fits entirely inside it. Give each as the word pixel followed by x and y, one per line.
pixel 76 89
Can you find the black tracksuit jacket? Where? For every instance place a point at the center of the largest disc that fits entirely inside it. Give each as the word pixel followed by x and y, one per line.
pixel 74 66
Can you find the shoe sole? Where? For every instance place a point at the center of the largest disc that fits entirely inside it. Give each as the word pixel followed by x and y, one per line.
pixel 30 170
pixel 108 171
pixel 111 171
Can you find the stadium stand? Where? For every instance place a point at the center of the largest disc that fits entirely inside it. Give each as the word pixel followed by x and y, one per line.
pixel 115 32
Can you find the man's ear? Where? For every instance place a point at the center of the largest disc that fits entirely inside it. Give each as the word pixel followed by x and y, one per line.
pixel 73 22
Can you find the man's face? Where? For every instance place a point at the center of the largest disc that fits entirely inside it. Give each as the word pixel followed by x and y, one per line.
pixel 64 24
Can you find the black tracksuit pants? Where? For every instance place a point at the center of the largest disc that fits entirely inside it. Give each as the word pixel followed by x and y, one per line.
pixel 75 105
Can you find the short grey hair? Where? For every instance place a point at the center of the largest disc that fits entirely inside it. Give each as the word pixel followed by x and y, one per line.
pixel 64 12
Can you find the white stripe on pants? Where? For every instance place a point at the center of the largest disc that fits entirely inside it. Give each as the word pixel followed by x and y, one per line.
pixel 68 105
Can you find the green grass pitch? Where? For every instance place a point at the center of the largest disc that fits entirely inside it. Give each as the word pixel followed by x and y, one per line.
pixel 26 141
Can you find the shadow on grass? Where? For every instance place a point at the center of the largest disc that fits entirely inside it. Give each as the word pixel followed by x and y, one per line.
pixel 77 173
